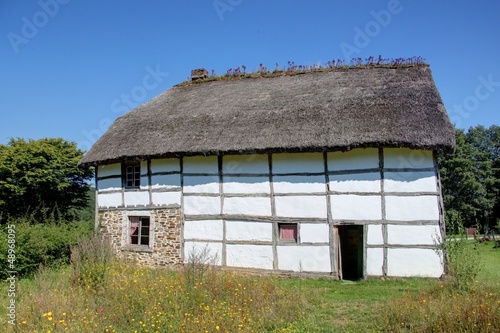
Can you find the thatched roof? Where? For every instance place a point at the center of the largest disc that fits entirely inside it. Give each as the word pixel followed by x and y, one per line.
pixel 336 109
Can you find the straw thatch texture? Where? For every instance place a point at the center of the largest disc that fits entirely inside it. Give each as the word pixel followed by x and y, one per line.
pixel 328 110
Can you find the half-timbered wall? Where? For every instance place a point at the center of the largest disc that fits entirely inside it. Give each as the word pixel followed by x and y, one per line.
pixel 234 205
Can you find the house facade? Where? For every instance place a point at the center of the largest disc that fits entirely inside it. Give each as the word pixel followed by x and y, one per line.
pixel 325 173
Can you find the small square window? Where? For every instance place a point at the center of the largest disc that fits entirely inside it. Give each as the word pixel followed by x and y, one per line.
pixel 133 175
pixel 139 230
pixel 287 232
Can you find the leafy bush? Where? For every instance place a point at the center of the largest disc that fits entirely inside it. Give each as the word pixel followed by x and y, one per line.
pixel 39 244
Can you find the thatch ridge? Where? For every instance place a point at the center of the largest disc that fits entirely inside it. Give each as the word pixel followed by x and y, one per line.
pixel 340 109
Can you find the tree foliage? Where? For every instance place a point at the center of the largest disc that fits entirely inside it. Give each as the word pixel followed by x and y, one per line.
pixel 470 177
pixel 40 176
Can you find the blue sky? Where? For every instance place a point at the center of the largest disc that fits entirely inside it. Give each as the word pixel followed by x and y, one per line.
pixel 70 67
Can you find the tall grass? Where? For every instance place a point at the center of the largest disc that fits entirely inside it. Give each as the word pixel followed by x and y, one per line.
pixel 461 302
pixel 125 298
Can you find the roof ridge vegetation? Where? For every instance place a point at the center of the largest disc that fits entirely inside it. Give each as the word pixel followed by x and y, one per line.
pixel 293 69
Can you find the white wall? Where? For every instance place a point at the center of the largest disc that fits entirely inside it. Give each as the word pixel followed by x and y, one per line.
pixel 414 262
pixel 359 182
pixel 301 206
pixel 198 205
pixel 299 184
pixel 314 233
pixel 413 234
pixel 201 164
pixel 355 159
pixel 166 198
pixel 213 251
pixel 234 184
pixel 201 184
pixel 375 236
pixel 165 165
pixel 405 158
pixel 356 207
pixel 105 200
pixel 136 198
pixel 410 181
pixel 110 184
pixel 304 258
pixel 248 206
pixel 255 256
pixel 169 181
pixel 251 164
pixel 412 208
pixel 203 230
pixel 298 163
pixel 249 231
pixel 108 170
pixel 374 261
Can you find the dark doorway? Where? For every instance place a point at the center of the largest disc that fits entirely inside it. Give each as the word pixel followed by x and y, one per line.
pixel 351 251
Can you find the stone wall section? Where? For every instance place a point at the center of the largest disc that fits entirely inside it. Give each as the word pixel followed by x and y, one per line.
pixel 165 248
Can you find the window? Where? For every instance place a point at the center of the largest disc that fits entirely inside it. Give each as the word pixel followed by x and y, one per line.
pixel 139 230
pixel 287 232
pixel 133 175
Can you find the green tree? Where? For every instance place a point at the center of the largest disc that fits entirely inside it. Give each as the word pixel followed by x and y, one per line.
pixel 40 177
pixel 470 177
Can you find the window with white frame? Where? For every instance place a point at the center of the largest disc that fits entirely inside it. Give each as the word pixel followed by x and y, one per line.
pixel 139 230
pixel 132 174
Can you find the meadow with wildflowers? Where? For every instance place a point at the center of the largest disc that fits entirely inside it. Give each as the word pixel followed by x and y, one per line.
pixel 201 298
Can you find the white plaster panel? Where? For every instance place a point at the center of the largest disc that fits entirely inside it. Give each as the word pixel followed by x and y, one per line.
pixel 375 236
pixel 165 165
pixel 198 205
pixel 109 184
pixel 109 199
pixel 166 181
pixel 405 158
pixel 299 184
pixel 356 207
pixel 374 261
pixel 412 208
pixel 360 182
pixel 166 198
pixel 205 230
pixel 144 183
pixel 200 164
pixel 301 206
pixel 353 160
pixel 249 231
pixel 107 170
pixel 410 181
pixel 414 262
pixel 298 163
pixel 412 234
pixel 201 184
pixel 236 184
pixel 255 256
pixel 257 164
pixel 133 198
pixel 213 251
pixel 314 233
pixel 248 206
pixel 304 258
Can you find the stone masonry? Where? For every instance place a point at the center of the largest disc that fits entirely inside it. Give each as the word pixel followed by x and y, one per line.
pixel 165 248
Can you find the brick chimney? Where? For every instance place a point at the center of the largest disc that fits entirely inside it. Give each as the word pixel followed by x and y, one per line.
pixel 199 74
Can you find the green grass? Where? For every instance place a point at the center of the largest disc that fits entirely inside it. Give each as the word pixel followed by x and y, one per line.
pixel 319 305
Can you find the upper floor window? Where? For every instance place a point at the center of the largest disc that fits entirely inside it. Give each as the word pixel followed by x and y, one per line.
pixel 132 174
